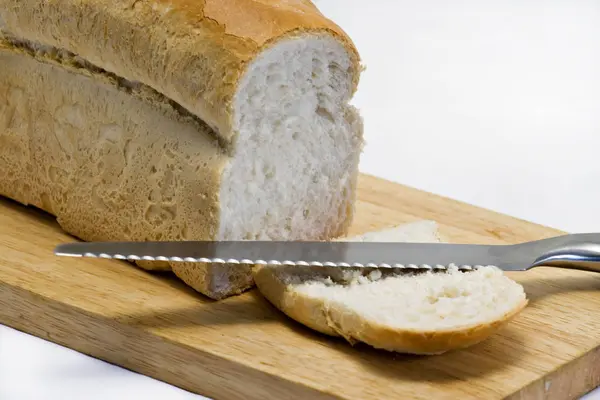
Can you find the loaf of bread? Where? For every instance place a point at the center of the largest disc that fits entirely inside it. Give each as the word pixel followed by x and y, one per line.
pixel 419 313
pixel 180 120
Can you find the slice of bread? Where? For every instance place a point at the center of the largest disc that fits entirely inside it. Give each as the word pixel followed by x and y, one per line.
pixel 180 120
pixel 418 313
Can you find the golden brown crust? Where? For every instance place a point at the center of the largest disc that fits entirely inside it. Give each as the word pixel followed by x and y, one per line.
pixel 192 51
pixel 354 328
pixel 305 310
pixel 76 145
pixel 346 323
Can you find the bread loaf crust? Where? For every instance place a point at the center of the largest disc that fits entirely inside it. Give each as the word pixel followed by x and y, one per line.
pixel 57 122
pixel 192 51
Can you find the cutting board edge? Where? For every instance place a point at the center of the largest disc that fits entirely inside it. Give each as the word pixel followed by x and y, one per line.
pixel 558 385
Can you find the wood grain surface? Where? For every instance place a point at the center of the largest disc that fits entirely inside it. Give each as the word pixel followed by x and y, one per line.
pixel 243 348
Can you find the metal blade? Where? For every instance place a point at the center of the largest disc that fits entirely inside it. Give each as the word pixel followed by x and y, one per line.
pixel 340 254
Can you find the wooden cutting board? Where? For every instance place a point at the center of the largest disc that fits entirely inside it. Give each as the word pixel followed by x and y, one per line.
pixel 243 348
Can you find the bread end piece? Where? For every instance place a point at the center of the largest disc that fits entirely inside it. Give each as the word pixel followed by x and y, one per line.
pixel 154 265
pixel 217 281
pixel 415 314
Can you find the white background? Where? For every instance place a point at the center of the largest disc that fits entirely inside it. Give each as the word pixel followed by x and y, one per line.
pixel 491 102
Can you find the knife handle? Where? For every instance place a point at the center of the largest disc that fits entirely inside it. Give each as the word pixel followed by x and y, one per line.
pixel 582 256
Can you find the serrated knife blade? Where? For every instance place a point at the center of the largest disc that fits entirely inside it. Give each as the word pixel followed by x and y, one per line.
pixel 581 251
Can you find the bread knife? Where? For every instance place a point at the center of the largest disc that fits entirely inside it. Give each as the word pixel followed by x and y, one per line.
pixel 575 251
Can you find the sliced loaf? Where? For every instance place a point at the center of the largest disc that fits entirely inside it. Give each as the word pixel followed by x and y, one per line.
pixel 180 120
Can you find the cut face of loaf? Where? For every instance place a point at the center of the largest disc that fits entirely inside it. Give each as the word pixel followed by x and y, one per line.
pixel 171 128
pixel 418 313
